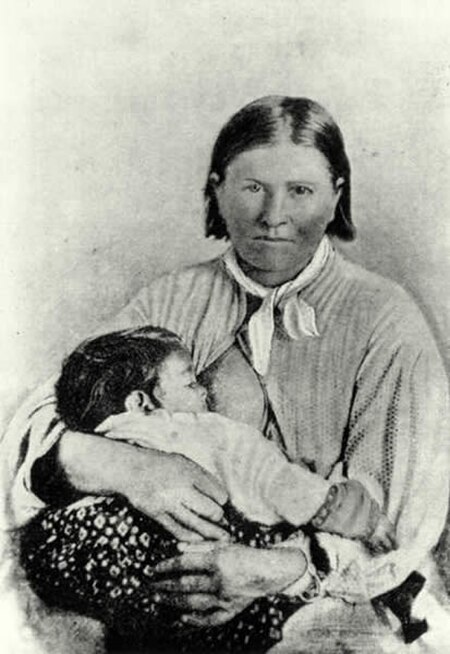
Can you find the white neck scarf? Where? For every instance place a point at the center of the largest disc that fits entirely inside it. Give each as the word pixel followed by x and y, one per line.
pixel 298 317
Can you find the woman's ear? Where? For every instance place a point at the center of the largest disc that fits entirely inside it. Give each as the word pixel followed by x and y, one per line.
pixel 216 184
pixel 338 188
pixel 138 401
pixel 214 180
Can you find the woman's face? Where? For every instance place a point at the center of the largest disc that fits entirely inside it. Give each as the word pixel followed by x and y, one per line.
pixel 277 202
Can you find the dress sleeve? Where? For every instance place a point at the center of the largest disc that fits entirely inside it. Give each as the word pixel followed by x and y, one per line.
pixel 397 444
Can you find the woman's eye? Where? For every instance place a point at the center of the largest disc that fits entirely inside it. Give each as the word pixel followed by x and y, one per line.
pixel 300 190
pixel 193 385
pixel 254 187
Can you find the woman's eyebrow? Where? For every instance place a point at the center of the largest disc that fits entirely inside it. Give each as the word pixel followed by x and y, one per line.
pixel 293 182
pixel 301 182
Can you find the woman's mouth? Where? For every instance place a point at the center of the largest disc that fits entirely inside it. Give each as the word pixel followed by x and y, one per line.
pixel 272 239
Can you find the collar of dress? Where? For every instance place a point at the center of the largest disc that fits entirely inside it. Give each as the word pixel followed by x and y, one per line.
pixel 298 317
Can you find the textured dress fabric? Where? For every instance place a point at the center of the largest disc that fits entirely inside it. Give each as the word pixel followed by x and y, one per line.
pixel 368 396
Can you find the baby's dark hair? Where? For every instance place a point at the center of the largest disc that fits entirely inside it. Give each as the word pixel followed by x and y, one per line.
pixel 98 376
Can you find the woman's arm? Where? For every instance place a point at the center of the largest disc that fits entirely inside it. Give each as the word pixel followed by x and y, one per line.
pixel 260 481
pixel 398 441
pixel 171 489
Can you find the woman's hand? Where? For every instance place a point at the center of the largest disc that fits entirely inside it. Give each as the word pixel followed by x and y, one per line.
pixel 179 494
pixel 169 488
pixel 210 583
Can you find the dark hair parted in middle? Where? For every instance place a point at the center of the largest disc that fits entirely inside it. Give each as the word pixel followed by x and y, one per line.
pixel 266 121
pixel 98 376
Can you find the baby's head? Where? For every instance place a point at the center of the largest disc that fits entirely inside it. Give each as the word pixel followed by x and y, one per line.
pixel 133 370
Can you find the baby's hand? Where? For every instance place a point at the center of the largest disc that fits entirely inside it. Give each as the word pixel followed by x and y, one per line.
pixel 350 511
pixel 383 539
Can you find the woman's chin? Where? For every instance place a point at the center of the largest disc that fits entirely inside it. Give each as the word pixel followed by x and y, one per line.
pixel 275 258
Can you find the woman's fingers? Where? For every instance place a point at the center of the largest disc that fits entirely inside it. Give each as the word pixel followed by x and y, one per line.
pixel 201 546
pixel 187 584
pixel 218 617
pixel 203 505
pixel 187 526
pixel 208 485
pixel 199 602
pixel 196 523
pixel 177 530
pixel 190 562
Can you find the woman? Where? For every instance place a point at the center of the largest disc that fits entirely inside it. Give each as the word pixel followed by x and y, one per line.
pixel 334 363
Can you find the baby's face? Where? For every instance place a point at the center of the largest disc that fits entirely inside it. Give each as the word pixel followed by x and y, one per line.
pixel 177 388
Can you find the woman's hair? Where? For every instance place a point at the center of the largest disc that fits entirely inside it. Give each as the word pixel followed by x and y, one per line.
pixel 265 122
pixel 98 376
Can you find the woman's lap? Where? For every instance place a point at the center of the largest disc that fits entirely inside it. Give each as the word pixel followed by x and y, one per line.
pixel 97 559
pixel 100 555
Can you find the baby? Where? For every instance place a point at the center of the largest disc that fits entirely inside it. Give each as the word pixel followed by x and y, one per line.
pixel 139 385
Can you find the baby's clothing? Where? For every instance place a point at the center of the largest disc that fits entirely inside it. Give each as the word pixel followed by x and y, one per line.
pixel 262 484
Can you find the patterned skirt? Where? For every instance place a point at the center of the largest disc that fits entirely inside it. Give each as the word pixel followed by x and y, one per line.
pixel 96 558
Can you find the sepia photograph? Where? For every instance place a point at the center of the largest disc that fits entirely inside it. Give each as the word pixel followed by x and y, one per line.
pixel 225 327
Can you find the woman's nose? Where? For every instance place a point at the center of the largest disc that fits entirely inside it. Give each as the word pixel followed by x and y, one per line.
pixel 274 210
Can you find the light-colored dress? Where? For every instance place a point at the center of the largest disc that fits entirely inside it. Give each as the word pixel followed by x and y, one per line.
pixel 368 392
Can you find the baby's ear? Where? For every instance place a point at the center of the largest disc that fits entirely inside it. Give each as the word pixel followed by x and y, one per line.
pixel 138 401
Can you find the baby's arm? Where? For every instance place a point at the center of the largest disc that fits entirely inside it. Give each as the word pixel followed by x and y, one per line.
pixel 260 480
pixel 258 475
pixel 262 484
pixel 350 511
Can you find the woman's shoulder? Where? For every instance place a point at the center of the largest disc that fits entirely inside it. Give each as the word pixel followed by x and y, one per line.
pixel 369 287
pixel 164 300
pixel 187 284
pixel 384 304
pixel 205 272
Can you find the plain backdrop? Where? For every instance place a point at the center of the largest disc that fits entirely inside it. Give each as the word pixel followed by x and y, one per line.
pixel 108 113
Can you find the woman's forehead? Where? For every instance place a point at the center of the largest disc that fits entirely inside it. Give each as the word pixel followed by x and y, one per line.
pixel 280 163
